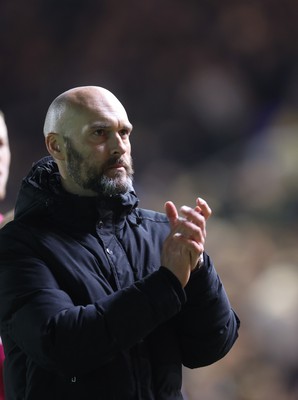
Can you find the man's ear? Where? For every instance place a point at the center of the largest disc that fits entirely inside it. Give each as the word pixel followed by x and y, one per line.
pixel 54 147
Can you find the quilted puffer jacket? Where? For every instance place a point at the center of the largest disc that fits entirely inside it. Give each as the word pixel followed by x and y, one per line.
pixel 86 309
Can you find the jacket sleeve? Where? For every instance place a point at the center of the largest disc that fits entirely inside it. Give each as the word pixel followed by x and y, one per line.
pixel 41 320
pixel 207 326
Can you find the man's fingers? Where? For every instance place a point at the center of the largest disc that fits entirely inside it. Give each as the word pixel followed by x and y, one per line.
pixel 191 229
pixel 171 212
pixel 196 216
pixel 205 210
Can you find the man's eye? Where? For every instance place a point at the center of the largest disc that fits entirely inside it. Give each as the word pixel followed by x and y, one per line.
pixel 124 132
pixel 99 132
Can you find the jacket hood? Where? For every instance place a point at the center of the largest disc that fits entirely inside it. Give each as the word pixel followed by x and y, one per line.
pixel 42 195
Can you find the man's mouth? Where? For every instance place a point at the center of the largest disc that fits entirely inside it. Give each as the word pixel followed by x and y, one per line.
pixel 115 164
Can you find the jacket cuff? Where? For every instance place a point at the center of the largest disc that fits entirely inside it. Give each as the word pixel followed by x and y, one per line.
pixel 174 281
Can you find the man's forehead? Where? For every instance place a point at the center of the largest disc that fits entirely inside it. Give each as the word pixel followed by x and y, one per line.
pixel 102 111
pixel 92 107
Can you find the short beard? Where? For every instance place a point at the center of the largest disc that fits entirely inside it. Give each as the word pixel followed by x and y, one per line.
pixel 108 186
pixel 93 178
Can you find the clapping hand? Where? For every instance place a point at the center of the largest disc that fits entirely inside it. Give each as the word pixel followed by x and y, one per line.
pixel 185 243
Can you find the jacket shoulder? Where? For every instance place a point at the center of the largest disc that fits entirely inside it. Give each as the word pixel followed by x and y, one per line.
pixel 151 215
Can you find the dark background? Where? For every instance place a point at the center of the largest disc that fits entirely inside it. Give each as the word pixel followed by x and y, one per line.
pixel 211 88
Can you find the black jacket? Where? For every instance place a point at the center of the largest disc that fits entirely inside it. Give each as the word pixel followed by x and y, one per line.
pixel 86 310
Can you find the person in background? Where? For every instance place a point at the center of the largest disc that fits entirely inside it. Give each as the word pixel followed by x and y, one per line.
pixel 4 166
pixel 4 172
pixel 100 298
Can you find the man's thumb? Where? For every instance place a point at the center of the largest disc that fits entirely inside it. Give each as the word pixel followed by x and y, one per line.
pixel 171 212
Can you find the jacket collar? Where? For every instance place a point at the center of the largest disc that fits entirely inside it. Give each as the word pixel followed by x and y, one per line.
pixel 42 196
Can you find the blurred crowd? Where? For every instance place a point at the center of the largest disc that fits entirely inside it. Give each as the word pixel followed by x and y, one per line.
pixel 211 88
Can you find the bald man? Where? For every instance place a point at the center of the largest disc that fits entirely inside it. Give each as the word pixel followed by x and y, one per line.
pixel 101 299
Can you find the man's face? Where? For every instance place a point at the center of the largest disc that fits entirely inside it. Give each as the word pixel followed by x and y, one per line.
pixel 97 149
pixel 94 176
pixel 4 158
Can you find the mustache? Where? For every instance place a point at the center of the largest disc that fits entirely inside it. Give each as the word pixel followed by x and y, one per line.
pixel 120 161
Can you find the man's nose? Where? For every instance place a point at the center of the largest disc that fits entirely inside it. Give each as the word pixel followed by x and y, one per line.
pixel 117 145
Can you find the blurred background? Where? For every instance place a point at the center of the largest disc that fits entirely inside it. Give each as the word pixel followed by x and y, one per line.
pixel 211 88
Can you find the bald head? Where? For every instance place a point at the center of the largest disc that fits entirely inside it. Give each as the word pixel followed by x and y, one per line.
pixel 65 108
